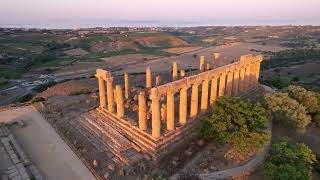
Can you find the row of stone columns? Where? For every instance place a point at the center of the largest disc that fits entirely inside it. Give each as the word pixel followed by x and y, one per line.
pixel 225 83
pixel 110 97
pixel 228 82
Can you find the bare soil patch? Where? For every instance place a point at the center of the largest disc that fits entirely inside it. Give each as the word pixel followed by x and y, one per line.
pixel 128 59
pixel 181 50
pixel 79 67
pixel 69 87
pixel 76 52
pixel 161 40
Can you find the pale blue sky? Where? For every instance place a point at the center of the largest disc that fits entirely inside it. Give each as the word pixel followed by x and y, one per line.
pixel 157 12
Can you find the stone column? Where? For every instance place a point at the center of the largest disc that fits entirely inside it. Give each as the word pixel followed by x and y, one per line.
pixel 163 112
pixel 213 91
pixel 148 78
pixel 257 74
pixel 216 60
pixel 217 63
pixel 194 100
pixel 155 109
pixel 102 92
pixel 235 85
pixel 119 101
pixel 241 79
pixel 208 67
pixel 110 95
pixel 204 95
pixel 126 86
pixel 142 112
pixel 247 78
pixel 229 83
pixel 222 84
pixel 182 73
pixel 183 105
pixel 170 111
pixel 174 71
pixel 252 76
pixel 158 80
pixel 201 63
pixel 225 61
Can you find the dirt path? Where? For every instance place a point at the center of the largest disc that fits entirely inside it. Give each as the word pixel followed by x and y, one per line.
pixel 46 149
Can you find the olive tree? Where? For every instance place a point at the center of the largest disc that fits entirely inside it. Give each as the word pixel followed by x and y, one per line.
pixel 287 111
pixel 307 98
pixel 289 162
pixel 237 122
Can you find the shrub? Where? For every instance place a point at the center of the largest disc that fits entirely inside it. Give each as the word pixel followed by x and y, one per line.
pixel 289 162
pixel 237 122
pixel 307 98
pixel 277 82
pixel 317 164
pixel 287 112
pixel 37 99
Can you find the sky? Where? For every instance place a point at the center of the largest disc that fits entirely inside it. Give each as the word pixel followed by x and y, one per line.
pixel 90 13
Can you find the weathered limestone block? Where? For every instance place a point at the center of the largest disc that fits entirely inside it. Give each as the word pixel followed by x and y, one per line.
pixel 170 111
pixel 183 106
pixel 213 91
pixel 229 83
pixel 204 95
pixel 201 63
pixel 119 101
pixel 194 100
pixel 222 83
pixel 174 71
pixel 126 86
pixel 148 78
pixel 142 112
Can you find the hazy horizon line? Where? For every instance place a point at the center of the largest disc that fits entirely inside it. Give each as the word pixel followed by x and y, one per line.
pixel 92 23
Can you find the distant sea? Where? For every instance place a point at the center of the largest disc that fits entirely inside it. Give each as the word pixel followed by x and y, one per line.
pixel 147 23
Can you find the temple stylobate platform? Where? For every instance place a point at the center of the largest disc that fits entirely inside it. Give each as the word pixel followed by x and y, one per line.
pixel 160 118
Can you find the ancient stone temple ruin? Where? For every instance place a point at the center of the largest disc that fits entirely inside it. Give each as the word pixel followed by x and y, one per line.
pixel 157 119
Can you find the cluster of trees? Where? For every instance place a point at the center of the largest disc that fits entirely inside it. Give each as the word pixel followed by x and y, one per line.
pixel 295 108
pixel 287 162
pixel 239 123
pixel 276 81
pixel 286 57
pixel 242 125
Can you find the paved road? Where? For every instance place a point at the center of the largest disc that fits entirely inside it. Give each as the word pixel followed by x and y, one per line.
pixel 54 159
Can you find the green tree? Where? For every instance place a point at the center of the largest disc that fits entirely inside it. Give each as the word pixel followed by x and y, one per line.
pixel 307 98
pixel 276 81
pixel 289 162
pixel 287 111
pixel 237 122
